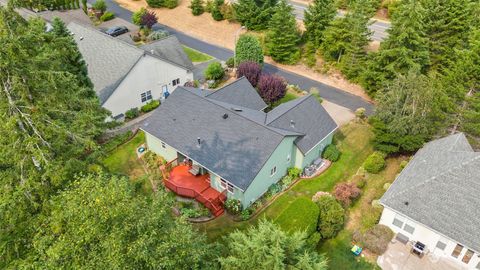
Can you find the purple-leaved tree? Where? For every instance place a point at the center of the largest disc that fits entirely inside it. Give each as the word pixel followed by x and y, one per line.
pixel 148 19
pixel 271 88
pixel 251 70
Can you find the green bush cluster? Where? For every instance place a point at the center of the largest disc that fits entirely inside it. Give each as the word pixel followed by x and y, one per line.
pixel 331 218
pixel 107 16
pixel 189 210
pixel 331 153
pixel 157 34
pixel 375 162
pixel 233 206
pixel 246 214
pixel 230 62
pixel 197 7
pixel 100 5
pixel 150 106
pixel 132 113
pixel 294 172
pixel 248 48
pixel 137 16
pixel 214 71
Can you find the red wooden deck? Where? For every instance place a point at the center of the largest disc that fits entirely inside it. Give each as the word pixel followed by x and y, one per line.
pixel 184 184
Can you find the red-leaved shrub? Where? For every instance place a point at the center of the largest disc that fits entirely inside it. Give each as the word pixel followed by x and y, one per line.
pixel 271 88
pixel 346 192
pixel 251 71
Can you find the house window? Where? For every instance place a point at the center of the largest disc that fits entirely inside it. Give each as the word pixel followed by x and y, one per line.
pixel 175 82
pixel 223 183
pixel 273 171
pixel 456 252
pixel 397 222
pixel 468 256
pixel 230 188
pixel 146 96
pixel 409 228
pixel 163 145
pixel 440 245
pixel 289 158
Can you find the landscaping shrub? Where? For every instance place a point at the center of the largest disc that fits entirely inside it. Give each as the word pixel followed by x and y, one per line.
pixel 137 16
pixel 360 113
pixel 251 71
pixel 375 239
pixel 193 83
pixel 271 88
pixel 107 16
pixel 319 194
pixel 246 214
pixel 300 215
pixel 148 19
pixel 227 12
pixel 248 48
pixel 331 217
pixel 233 206
pixel 171 4
pixel 230 62
pixel 197 7
pixel 100 5
pixel 294 172
pixel 155 3
pixel 331 153
pixel 375 162
pixel 216 13
pixel 214 71
pixel 150 106
pixel 286 182
pixel 274 189
pixel 346 192
pixel 313 240
pixel 209 6
pixel 132 113
pixel 157 34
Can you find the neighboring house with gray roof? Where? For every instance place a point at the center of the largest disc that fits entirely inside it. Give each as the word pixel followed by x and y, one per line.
pixel 125 76
pixel 232 142
pixel 436 200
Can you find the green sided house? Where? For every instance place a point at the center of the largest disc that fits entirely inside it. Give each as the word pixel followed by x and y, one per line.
pixel 222 144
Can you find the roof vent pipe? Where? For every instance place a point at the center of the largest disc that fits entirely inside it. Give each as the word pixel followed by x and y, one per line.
pixel 292 124
pixel 225 116
pixel 199 141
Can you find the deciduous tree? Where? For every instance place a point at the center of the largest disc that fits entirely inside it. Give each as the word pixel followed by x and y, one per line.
pixel 251 71
pixel 271 88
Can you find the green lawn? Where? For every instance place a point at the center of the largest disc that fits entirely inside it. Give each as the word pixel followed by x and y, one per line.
pixel 196 56
pixel 123 160
pixel 301 215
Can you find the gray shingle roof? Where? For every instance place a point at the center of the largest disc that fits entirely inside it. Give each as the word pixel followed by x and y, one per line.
pixel 241 93
pixel 170 49
pixel 234 148
pixel 303 115
pixel 441 185
pixel 108 59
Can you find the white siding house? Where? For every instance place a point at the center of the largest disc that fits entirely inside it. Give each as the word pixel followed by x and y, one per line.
pixel 435 200
pixel 125 76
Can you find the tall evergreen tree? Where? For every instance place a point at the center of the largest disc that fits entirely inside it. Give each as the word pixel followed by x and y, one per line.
pixel 49 122
pixel 283 35
pixel 100 222
pixel 318 17
pixel 254 14
pixel 248 48
pixel 404 50
pixel 346 39
pixel 268 247
pixel 447 24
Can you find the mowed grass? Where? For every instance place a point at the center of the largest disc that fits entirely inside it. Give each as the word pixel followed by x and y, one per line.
pixel 301 215
pixel 196 56
pixel 123 160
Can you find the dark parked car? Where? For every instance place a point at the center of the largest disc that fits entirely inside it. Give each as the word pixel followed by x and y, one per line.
pixel 116 31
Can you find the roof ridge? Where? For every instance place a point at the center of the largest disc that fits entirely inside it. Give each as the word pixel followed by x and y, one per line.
pixel 246 118
pixel 300 102
pixel 432 178
pixel 228 84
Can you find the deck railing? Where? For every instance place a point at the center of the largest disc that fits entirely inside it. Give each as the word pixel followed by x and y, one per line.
pixel 214 205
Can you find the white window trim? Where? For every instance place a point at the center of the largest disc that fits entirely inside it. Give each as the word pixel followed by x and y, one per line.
pixel 223 183
pixel 164 145
pixel 147 95
pixel 230 188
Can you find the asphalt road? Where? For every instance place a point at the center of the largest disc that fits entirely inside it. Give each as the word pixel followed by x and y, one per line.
pixel 327 92
pixel 379 28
